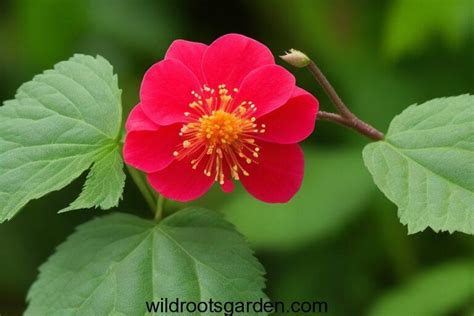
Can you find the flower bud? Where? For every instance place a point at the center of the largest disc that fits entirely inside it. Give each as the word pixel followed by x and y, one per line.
pixel 296 58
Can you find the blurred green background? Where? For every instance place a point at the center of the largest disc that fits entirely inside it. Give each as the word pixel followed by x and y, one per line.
pixel 339 240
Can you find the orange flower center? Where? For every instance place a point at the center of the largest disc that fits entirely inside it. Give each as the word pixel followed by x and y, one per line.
pixel 221 128
pixel 219 136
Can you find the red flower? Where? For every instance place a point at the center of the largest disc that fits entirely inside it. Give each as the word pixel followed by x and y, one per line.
pixel 220 113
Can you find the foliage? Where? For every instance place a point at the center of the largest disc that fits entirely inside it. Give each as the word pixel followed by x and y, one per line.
pixel 58 125
pixel 425 165
pixel 111 265
pixel 344 248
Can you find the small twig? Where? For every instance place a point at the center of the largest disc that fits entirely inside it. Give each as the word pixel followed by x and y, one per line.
pixel 347 118
pixel 332 117
pixel 328 88
pixel 356 124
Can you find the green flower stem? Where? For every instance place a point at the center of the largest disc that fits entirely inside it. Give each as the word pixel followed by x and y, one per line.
pixel 142 185
pixel 159 208
pixel 346 117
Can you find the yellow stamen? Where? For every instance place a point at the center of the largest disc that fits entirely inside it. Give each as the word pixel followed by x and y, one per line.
pixel 219 134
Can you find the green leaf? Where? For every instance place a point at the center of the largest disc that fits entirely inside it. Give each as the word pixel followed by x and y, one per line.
pixel 315 212
pixel 57 126
pixel 440 291
pixel 114 264
pixel 104 184
pixel 425 165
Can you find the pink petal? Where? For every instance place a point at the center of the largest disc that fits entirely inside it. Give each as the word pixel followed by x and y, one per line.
pixel 190 54
pixel 165 92
pixel 180 182
pixel 138 121
pixel 228 185
pixel 230 58
pixel 268 87
pixel 152 151
pixel 292 122
pixel 277 175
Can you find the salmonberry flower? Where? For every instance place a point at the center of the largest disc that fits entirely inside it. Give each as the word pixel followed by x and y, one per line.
pixel 220 113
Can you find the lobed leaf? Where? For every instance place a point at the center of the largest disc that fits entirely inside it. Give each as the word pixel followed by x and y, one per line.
pixel 104 184
pixel 425 165
pixel 58 125
pixel 112 265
